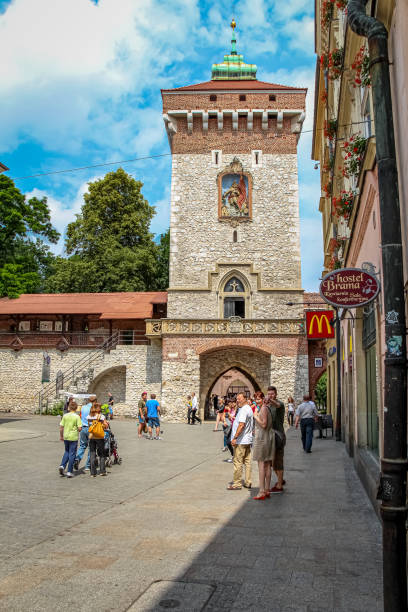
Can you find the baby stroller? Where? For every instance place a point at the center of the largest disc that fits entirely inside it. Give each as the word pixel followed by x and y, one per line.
pixel 111 449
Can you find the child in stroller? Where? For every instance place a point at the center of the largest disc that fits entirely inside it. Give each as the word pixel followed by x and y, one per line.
pixel 111 448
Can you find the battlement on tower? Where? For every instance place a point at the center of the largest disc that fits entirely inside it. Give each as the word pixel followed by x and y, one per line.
pixel 233 114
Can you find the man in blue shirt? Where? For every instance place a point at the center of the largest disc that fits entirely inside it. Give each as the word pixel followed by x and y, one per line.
pixel 153 413
pixel 84 438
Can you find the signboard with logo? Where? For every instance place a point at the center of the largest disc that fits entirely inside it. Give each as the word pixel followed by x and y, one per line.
pixel 318 324
pixel 349 288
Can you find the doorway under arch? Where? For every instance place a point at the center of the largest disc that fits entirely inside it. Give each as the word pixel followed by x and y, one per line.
pixel 228 384
pixel 254 364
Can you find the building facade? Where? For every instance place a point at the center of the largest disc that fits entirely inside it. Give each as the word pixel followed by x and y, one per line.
pixel 344 143
pixel 235 304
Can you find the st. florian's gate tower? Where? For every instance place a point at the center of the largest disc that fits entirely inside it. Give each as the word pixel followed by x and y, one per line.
pixel 234 233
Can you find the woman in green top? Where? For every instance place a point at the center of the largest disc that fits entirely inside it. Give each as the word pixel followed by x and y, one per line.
pixel 70 426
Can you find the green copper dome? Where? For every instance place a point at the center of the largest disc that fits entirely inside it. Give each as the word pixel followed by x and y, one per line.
pixel 233 67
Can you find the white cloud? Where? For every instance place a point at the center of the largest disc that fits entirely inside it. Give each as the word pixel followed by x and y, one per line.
pixel 69 70
pixel 62 212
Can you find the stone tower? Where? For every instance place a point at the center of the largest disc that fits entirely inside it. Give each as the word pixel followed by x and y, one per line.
pixel 234 234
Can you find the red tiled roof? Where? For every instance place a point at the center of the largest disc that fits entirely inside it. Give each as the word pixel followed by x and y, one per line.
pixel 121 305
pixel 227 84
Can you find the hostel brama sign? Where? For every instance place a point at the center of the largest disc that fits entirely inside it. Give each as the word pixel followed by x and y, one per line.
pixel 318 324
pixel 349 288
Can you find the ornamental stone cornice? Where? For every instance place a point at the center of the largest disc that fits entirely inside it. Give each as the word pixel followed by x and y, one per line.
pixel 234 326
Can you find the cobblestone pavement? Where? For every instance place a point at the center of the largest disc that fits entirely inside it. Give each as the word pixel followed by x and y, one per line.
pixel 162 532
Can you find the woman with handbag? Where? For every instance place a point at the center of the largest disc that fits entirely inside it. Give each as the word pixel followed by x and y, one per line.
pixel 264 449
pixel 96 431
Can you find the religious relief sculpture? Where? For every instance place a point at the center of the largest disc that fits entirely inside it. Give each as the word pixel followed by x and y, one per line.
pixel 234 193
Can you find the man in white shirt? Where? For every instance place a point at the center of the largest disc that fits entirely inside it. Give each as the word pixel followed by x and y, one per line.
pixel 307 414
pixel 194 408
pixel 241 440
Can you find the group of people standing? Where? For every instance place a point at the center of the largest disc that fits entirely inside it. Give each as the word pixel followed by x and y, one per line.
pixel 254 429
pixel 74 427
pixel 149 417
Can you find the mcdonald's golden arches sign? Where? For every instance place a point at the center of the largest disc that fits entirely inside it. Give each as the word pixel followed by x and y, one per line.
pixel 318 324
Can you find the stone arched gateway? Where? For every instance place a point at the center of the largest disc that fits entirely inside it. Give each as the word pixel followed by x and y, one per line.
pixel 112 379
pixel 255 364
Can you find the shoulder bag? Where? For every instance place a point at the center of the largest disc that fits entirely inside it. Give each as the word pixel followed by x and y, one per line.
pixel 96 430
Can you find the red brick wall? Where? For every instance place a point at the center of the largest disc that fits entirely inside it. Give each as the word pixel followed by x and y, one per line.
pixel 277 345
pixel 201 101
pixel 229 140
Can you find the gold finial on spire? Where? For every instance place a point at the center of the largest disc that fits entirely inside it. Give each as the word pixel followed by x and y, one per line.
pixel 233 24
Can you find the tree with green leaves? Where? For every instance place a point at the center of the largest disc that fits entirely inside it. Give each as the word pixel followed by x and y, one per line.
pixel 321 391
pixel 162 275
pixel 25 229
pixel 109 244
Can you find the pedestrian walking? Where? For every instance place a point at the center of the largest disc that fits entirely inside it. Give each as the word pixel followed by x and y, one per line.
pixel 70 427
pixel 111 401
pixel 307 415
pixel 291 410
pixel 194 409
pixel 189 409
pixel 142 427
pixel 241 440
pixel 96 444
pixel 277 409
pixel 220 418
pixel 153 414
pixel 264 449
pixel 83 438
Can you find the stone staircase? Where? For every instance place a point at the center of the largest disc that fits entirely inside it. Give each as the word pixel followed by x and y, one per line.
pixel 76 378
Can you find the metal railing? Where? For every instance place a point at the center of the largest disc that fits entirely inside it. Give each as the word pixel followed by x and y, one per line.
pixel 19 340
pixel 74 372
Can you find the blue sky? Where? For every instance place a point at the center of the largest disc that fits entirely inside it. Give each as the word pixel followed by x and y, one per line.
pixel 80 85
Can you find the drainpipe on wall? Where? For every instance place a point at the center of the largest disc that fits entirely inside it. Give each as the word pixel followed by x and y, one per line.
pixel 392 490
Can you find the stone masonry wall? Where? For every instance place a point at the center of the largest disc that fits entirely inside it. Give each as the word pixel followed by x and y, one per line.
pixel 199 241
pixel 20 375
pixel 194 364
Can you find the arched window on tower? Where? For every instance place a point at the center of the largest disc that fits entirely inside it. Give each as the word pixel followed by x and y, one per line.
pixel 234 298
pixel 235 236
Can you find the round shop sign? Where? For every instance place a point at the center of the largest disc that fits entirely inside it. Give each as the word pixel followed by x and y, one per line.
pixel 349 288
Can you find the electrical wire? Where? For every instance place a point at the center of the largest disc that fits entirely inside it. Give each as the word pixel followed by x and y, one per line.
pixel 136 159
pixel 123 161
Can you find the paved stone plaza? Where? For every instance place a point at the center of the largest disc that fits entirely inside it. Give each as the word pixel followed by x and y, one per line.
pixel 163 532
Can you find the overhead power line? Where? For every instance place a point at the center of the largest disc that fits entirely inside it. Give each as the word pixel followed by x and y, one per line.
pixel 135 159
pixel 123 161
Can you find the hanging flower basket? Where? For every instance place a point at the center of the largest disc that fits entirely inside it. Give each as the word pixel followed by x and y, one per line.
pixel 343 205
pixel 333 63
pixel 335 263
pixel 327 188
pixel 361 65
pixel 353 152
pixel 327 10
pixel 328 166
pixel 330 128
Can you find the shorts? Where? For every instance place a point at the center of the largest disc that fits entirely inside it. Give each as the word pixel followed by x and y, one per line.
pixel 153 421
pixel 141 421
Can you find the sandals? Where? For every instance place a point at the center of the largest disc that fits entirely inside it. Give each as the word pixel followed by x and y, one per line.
pixel 231 488
pixel 259 497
